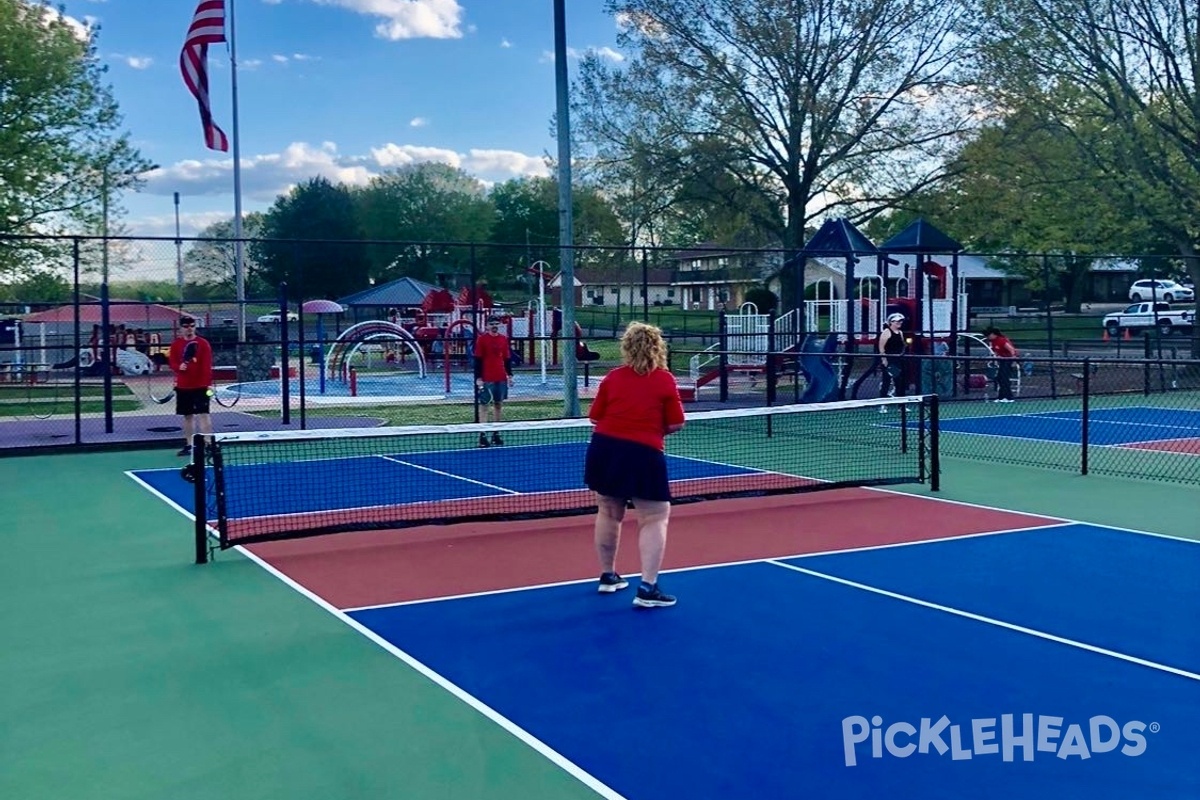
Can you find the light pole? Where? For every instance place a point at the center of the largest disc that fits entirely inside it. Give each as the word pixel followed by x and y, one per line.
pixel 539 268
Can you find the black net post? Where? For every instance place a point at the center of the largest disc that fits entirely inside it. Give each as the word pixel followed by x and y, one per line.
pixel 200 498
pixel 935 459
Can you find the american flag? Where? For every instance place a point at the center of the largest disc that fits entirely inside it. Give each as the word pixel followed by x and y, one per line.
pixel 208 27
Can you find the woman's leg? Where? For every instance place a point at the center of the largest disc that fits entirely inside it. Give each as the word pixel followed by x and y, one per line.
pixel 653 516
pixel 608 531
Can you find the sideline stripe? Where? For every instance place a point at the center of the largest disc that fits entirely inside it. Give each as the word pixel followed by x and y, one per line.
pixel 989 620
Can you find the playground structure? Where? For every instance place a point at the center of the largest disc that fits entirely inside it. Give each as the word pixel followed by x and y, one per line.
pixel 826 333
pixel 441 333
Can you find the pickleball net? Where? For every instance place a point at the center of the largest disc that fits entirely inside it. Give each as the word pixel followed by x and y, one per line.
pixel 287 484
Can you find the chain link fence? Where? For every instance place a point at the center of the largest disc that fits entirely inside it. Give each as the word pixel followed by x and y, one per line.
pixel 352 334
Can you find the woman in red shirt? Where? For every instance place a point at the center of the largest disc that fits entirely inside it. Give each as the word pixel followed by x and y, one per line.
pixel 636 406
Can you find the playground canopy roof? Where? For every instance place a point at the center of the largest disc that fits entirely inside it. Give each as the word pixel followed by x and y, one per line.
pixel 397 294
pixel 921 237
pixel 838 237
pixel 120 312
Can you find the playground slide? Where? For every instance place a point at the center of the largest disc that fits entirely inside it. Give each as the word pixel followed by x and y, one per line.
pixel 818 369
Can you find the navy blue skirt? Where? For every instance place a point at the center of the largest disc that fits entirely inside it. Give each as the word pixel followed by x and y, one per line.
pixel 626 470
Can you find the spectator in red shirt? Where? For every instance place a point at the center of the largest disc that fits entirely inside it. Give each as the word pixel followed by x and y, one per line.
pixel 636 406
pixel 1005 352
pixel 190 358
pixel 493 373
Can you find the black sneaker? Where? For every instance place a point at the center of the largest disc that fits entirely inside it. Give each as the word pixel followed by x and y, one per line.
pixel 496 440
pixel 650 596
pixel 611 582
pixel 483 442
pixel 186 450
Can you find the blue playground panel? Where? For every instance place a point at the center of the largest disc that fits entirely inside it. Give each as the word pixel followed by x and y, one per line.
pixel 768 683
pixel 299 487
pixel 1110 426
pixel 404 385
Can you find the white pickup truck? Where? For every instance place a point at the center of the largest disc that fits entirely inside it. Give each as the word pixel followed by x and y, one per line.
pixel 1149 315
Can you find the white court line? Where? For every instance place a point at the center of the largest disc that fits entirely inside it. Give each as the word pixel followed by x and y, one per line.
pixel 552 755
pixel 700 567
pixel 968 504
pixel 445 474
pixel 989 621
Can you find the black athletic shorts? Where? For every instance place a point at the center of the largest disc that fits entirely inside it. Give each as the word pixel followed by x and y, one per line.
pixel 192 401
pixel 626 470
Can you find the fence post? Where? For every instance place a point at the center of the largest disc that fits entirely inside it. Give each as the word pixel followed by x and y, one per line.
pixel 1085 421
pixel 772 371
pixel 78 347
pixel 723 360
pixel 108 338
pixel 285 383
pixel 1147 354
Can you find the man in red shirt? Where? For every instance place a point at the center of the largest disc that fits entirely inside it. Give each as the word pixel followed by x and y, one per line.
pixel 191 360
pixel 493 373
pixel 1005 352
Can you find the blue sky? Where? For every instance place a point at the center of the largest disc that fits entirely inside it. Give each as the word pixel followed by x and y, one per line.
pixel 340 88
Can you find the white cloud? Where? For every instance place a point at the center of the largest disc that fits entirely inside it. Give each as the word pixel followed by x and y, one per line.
pixel 190 224
pixel 508 163
pixel 401 155
pixel 409 19
pixel 505 43
pixel 250 63
pixel 418 122
pixel 137 62
pixel 82 30
pixel 266 176
pixel 606 53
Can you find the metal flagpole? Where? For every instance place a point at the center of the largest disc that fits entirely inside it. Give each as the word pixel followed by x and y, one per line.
pixel 239 264
pixel 178 253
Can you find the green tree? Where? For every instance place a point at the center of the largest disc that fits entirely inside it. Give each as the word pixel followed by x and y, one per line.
pixel 313 241
pixel 809 106
pixel 1133 67
pixel 1019 187
pixel 211 262
pixel 525 227
pixel 424 210
pixel 61 144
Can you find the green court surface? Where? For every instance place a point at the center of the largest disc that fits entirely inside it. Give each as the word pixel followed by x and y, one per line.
pixel 129 672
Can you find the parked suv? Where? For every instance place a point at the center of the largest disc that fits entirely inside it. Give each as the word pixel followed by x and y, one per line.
pixel 1166 291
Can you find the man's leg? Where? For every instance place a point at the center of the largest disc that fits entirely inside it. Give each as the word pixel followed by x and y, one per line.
pixel 189 427
pixel 204 424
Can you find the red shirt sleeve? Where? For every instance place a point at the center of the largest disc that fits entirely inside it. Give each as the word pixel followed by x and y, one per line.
pixel 672 405
pixel 600 403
